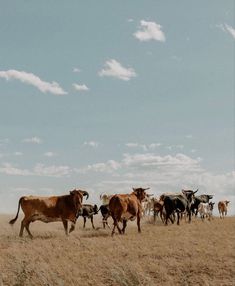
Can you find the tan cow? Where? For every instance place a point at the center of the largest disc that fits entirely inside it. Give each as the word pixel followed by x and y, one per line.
pixel 223 208
pixel 50 209
pixel 124 207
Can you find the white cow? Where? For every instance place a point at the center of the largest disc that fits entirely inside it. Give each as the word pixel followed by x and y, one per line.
pixel 205 210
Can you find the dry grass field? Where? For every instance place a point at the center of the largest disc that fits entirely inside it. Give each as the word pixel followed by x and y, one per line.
pixel 200 253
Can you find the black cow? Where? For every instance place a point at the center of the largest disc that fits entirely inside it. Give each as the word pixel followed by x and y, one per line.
pixel 87 211
pixel 198 200
pixel 178 203
pixel 104 209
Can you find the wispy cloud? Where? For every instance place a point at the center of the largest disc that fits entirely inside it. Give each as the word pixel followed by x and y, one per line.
pixel 80 87
pixel 38 170
pixel 231 30
pixel 145 147
pixel 113 68
pixel 76 70
pixel 31 79
pixel 107 167
pixel 92 144
pixel 226 28
pixel 49 154
pixel 150 31
pixel 33 140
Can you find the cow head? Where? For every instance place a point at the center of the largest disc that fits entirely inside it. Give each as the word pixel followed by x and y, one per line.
pixel 190 195
pixel 227 202
pixel 140 193
pixel 77 197
pixel 211 206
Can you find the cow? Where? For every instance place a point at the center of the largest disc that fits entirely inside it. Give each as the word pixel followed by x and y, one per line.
pixel 158 209
pixel 223 208
pixel 50 209
pixel 124 207
pixel 205 210
pixel 199 199
pixel 105 198
pixel 104 209
pixel 147 204
pixel 87 211
pixel 178 203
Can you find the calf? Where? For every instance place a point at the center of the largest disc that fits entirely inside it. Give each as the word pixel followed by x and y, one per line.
pixel 87 211
pixel 199 199
pixel 223 208
pixel 104 209
pixel 50 209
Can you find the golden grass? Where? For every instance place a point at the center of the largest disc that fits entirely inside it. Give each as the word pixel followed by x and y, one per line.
pixel 200 253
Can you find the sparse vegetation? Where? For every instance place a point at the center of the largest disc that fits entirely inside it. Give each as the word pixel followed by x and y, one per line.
pixel 200 253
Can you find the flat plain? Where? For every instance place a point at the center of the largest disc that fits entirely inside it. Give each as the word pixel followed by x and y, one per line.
pixel 200 253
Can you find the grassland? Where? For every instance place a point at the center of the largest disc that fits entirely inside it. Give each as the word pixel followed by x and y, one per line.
pixel 200 253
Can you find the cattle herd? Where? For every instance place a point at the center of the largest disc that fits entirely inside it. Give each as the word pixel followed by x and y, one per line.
pixel 120 207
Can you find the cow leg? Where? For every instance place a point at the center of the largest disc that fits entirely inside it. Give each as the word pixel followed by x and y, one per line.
pixel 104 222
pixel 124 226
pixel 84 222
pixel 178 218
pixel 27 228
pixel 22 227
pixel 92 222
pixel 65 224
pixel 114 226
pixel 138 223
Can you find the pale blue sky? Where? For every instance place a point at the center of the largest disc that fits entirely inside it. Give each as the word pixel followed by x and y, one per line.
pixel 155 111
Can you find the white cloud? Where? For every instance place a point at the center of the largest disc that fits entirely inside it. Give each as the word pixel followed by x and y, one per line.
pixel 189 136
pixel 34 140
pixel 51 171
pixel 39 170
pixel 81 87
pixel 49 154
pixel 18 153
pixel 92 144
pixel 150 31
pixel 31 79
pixel 107 167
pixel 113 68
pixel 76 70
pixel 230 29
pixel 8 169
pixel 145 147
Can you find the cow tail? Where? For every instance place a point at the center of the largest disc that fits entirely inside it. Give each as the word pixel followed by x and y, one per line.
pixel 14 219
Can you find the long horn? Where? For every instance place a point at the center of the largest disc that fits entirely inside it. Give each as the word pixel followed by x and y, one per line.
pixel 195 191
pixel 146 189
pixel 85 193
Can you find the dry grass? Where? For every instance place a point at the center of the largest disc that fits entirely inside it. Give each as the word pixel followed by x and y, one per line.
pixel 189 254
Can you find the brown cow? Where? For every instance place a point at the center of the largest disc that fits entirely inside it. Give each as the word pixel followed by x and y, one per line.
pixel 50 209
pixel 124 207
pixel 223 208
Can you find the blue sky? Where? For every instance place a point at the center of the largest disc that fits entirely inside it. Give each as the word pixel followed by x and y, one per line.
pixel 109 96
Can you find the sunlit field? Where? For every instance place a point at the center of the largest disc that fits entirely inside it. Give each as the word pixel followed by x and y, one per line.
pixel 200 253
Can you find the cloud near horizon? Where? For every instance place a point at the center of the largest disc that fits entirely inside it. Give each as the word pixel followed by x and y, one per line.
pixel 150 31
pixel 33 140
pixel 31 79
pixel 113 68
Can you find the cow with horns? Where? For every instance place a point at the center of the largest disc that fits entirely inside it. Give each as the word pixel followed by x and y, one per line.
pixel 51 209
